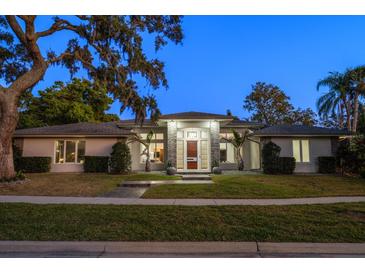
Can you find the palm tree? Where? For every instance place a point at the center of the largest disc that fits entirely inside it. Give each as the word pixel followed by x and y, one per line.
pixel 238 140
pixel 336 100
pixel 146 143
pixel 357 79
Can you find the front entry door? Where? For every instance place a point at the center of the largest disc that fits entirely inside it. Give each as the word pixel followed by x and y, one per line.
pixel 192 154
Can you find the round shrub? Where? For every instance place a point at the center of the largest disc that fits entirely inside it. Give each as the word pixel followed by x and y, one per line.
pixel 120 158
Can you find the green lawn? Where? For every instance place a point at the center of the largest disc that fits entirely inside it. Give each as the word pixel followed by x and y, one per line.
pixel 264 186
pixel 297 223
pixel 74 184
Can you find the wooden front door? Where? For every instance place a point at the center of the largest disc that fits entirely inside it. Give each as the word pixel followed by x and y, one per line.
pixel 192 154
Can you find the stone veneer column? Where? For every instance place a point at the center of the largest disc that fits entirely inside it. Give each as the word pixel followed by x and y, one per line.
pixel 214 142
pixel 171 142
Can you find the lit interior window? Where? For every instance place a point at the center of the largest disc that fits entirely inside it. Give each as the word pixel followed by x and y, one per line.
pixel 296 150
pixel 305 151
pixel 156 152
pixel 301 151
pixel 69 151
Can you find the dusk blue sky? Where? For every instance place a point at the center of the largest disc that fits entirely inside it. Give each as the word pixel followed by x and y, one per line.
pixel 223 56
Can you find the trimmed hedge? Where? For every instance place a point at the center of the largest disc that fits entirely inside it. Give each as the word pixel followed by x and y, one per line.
pixel 96 164
pixel 286 165
pixel 327 164
pixel 34 164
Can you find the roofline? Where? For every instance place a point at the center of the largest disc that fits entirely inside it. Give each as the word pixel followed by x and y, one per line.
pixel 194 119
pixel 237 126
pixel 69 135
pixel 301 135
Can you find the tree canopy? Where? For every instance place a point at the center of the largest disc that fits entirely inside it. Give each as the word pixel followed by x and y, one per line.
pixel 108 48
pixel 341 103
pixel 271 106
pixel 77 101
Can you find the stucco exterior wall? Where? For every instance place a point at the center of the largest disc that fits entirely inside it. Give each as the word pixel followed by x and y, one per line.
pixel 45 147
pixel 318 146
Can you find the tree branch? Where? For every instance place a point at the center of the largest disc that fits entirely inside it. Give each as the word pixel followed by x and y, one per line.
pixel 13 23
pixel 56 26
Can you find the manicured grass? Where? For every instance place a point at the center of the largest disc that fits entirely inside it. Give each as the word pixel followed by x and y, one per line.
pixel 264 186
pixel 297 223
pixel 74 184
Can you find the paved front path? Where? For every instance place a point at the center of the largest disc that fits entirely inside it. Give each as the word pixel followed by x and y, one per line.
pixel 187 202
pixel 178 249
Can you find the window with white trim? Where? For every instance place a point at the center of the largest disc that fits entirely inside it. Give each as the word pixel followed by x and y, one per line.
pixel 69 152
pixel 301 151
pixel 227 150
pixel 156 150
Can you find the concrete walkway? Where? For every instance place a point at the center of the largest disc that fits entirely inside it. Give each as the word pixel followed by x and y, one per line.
pixel 186 202
pixel 177 249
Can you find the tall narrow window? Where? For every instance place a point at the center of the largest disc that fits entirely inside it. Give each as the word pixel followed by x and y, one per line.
pixel 70 151
pixel 301 151
pixel 81 152
pixel 204 154
pixel 296 150
pixel 305 151
pixel 60 158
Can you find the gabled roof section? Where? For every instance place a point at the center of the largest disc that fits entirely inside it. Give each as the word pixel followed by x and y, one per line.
pixel 110 129
pixel 194 115
pixel 300 130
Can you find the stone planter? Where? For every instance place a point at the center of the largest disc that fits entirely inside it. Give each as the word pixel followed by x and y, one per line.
pixel 171 171
pixel 217 170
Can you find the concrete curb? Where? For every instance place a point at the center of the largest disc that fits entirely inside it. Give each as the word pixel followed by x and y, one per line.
pixel 184 202
pixel 166 249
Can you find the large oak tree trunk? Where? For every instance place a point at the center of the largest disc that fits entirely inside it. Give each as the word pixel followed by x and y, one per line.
pixel 8 122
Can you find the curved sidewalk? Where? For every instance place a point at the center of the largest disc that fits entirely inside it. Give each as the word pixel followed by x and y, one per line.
pixel 185 202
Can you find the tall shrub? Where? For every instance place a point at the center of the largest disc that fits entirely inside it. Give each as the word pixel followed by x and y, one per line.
pixel 270 158
pixel 120 158
pixel 350 154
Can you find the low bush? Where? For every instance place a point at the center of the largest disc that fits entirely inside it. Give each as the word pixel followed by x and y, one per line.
pixel 96 164
pixel 34 164
pixel 286 165
pixel 270 158
pixel 326 164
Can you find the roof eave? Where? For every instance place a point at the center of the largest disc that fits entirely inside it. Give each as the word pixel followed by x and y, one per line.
pixel 301 135
pixel 69 135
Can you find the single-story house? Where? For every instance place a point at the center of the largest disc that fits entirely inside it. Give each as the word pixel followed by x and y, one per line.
pixel 190 141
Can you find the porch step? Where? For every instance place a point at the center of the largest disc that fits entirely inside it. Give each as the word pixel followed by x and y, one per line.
pixel 188 177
